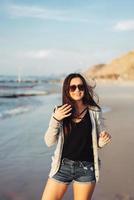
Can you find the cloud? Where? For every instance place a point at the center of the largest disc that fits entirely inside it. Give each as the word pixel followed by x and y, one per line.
pixel 38 54
pixel 44 13
pixel 126 25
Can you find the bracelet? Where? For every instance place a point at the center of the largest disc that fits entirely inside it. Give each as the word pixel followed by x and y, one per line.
pixel 56 119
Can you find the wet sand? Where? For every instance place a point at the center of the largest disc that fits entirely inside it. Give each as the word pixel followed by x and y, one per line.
pixel 25 159
pixel 116 176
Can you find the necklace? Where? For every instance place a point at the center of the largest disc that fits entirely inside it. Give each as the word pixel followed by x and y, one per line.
pixel 79 114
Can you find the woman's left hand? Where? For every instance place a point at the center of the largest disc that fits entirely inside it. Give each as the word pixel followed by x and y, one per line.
pixel 104 138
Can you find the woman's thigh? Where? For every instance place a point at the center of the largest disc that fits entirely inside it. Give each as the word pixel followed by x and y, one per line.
pixel 54 190
pixel 83 191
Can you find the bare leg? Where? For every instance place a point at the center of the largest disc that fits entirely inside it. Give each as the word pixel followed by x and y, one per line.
pixel 54 190
pixel 83 191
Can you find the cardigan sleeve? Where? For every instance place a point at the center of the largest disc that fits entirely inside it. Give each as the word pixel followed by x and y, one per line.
pixel 100 126
pixel 51 135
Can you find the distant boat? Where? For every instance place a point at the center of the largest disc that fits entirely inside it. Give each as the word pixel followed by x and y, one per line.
pixel 19 75
pixel 19 78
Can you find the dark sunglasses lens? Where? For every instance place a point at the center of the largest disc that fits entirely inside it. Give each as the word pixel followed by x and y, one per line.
pixel 72 88
pixel 81 87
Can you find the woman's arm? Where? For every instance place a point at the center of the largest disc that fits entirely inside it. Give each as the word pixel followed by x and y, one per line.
pixel 56 122
pixel 51 134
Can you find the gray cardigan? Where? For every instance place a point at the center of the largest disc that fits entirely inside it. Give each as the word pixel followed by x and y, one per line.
pixel 54 134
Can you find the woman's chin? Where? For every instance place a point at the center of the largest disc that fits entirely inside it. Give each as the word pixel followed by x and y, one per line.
pixel 77 99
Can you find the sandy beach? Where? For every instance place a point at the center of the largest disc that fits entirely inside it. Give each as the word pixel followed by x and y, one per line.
pixel 25 159
pixel 117 177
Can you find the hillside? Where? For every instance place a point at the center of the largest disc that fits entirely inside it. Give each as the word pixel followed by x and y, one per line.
pixel 119 69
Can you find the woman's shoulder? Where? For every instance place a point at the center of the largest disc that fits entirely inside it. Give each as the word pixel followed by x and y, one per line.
pixel 96 112
pixel 94 108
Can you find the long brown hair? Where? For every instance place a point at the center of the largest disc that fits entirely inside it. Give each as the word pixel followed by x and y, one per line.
pixel 88 98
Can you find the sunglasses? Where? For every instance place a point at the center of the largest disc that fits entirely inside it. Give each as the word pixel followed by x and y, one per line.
pixel 72 88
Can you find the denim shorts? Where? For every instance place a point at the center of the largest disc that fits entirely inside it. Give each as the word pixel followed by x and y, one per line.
pixel 79 171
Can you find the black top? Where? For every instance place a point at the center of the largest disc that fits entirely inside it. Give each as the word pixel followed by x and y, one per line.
pixel 78 144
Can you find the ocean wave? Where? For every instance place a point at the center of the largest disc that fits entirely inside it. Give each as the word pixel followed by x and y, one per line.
pixel 15 111
pixel 23 94
pixel 16 86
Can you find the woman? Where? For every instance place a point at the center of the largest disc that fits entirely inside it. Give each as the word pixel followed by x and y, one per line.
pixel 77 128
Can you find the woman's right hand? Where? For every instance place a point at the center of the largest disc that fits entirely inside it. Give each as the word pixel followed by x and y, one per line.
pixel 62 112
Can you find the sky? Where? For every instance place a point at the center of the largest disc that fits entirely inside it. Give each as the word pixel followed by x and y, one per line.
pixel 46 37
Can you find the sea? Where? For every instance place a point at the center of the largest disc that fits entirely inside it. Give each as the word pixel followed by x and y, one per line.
pixel 19 96
pixel 25 107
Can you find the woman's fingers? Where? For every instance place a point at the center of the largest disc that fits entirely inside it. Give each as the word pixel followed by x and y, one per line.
pixel 105 135
pixel 64 107
pixel 107 140
pixel 67 111
pixel 67 115
pixel 104 138
pixel 103 142
pixel 63 111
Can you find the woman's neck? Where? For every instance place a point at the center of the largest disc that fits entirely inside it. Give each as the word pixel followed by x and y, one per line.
pixel 79 105
pixel 80 110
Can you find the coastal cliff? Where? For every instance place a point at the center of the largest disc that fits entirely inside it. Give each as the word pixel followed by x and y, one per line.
pixel 121 68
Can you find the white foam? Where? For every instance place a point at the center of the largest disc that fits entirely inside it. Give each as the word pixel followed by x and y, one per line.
pixel 15 111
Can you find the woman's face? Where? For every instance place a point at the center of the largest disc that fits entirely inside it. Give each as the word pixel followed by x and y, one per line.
pixel 76 89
